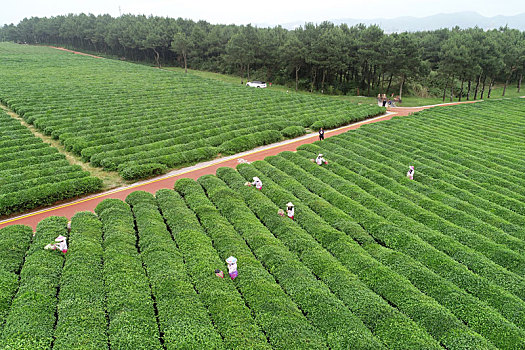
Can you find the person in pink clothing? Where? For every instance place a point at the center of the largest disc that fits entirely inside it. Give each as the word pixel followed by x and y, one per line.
pixel 410 172
pixel 290 210
pixel 320 160
pixel 60 244
pixel 257 183
pixel 232 267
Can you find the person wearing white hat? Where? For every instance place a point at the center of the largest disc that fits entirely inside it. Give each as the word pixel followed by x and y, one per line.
pixel 232 267
pixel 290 210
pixel 60 244
pixel 257 183
pixel 410 172
pixel 320 160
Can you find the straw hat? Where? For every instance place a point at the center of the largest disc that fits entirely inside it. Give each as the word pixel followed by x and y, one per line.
pixel 411 167
pixel 60 238
pixel 231 260
pixel 255 178
pixel 290 204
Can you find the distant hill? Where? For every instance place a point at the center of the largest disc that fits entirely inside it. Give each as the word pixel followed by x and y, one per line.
pixel 443 20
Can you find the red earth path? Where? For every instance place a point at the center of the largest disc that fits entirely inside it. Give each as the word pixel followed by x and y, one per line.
pixel 78 53
pixel 89 203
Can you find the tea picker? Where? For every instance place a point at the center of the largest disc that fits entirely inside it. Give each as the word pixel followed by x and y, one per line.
pixel 232 267
pixel 410 172
pixel 320 160
pixel 257 183
pixel 290 210
pixel 60 244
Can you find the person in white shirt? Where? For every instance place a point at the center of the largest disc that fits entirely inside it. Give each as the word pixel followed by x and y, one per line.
pixel 232 267
pixel 320 160
pixel 60 244
pixel 410 172
pixel 257 183
pixel 290 210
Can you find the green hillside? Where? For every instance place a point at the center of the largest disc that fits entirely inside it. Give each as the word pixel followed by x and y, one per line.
pixel 142 121
pixel 372 259
pixel 32 173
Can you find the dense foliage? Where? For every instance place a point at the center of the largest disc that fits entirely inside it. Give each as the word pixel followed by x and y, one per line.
pixel 142 121
pixel 31 320
pixel 32 173
pixel 81 308
pixel 324 57
pixel 372 259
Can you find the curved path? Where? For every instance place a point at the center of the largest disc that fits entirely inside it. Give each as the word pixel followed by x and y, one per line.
pixel 69 209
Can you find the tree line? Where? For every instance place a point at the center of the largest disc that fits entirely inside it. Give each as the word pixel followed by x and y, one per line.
pixel 328 58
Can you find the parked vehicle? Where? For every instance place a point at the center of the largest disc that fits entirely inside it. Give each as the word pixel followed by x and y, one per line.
pixel 256 83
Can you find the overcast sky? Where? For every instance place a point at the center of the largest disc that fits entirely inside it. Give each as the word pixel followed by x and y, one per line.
pixel 270 12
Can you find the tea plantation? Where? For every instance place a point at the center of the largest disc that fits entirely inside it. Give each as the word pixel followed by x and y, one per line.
pixel 372 260
pixel 32 173
pixel 142 121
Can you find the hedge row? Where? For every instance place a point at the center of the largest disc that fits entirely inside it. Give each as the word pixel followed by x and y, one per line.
pixel 29 183
pixel 346 118
pixel 22 186
pixel 36 170
pixel 178 137
pixel 500 133
pixel 30 162
pixel 342 328
pixel 130 308
pixel 474 231
pixel 484 320
pixel 31 152
pixel 47 194
pixel 139 171
pixel 376 312
pixel 503 177
pixel 452 332
pixel 469 257
pixel 158 109
pixel 175 159
pixel 464 217
pixel 448 268
pixel 164 133
pixel 247 142
pixel 112 163
pixel 487 188
pixel 19 139
pixel 451 185
pixel 31 321
pixel 293 131
pixel 167 133
pixel 228 311
pixel 481 177
pixel 183 319
pixel 274 311
pixel 81 311
pixel 14 242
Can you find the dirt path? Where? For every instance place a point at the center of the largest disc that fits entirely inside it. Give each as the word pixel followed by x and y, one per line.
pixel 77 52
pixel 167 181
